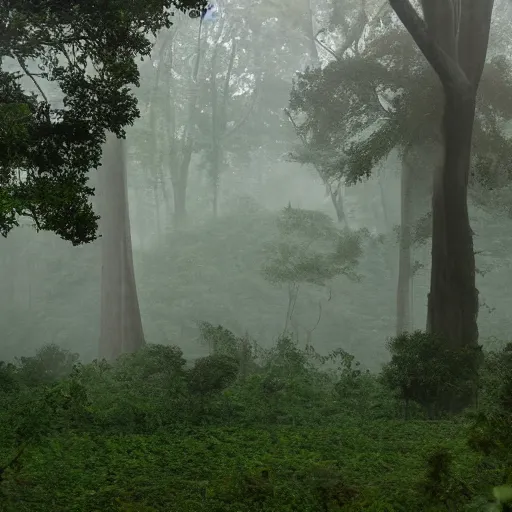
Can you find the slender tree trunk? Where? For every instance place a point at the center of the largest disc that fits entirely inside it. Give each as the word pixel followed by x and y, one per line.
pixel 215 202
pixel 121 326
pixel 179 189
pixel 403 293
pixel 453 297
pixel 310 32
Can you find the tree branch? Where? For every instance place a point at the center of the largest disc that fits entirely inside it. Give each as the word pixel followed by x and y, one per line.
pixel 326 48
pixel 448 70
pixel 474 38
pixel 31 76
pixel 244 118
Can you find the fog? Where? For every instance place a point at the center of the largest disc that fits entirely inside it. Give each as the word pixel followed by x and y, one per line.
pixel 207 267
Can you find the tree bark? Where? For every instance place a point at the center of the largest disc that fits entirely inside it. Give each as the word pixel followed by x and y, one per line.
pixel 337 201
pixel 403 292
pixel 179 189
pixel 454 38
pixel 453 297
pixel 121 325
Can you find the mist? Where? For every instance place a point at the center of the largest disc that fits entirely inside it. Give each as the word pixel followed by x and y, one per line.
pixel 256 256
pixel 207 267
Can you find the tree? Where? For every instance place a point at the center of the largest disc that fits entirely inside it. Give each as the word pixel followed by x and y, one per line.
pixel 196 108
pixel 234 45
pixel 453 36
pixel 121 326
pixel 342 98
pixel 47 152
pixel 310 249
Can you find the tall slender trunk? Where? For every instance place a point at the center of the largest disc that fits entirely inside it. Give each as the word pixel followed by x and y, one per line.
pixel 215 174
pixel 453 297
pixel 215 201
pixel 121 325
pixel 179 190
pixel 310 33
pixel 403 293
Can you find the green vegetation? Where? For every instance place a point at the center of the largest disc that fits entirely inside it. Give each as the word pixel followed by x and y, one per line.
pixel 47 152
pixel 243 429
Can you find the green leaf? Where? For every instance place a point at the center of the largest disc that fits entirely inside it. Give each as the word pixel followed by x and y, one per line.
pixel 503 493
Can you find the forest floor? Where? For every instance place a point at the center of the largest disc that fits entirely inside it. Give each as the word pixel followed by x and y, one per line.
pixel 149 433
pixel 378 466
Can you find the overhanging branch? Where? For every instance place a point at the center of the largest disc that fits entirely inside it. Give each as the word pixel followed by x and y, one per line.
pixel 448 70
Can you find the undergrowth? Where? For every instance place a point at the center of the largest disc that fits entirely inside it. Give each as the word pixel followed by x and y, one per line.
pixel 246 429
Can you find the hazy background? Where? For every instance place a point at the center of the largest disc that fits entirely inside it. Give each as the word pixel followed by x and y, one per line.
pixel 209 270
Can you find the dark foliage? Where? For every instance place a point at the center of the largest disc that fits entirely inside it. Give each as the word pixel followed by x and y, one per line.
pixel 146 434
pixel 46 152
pixel 424 369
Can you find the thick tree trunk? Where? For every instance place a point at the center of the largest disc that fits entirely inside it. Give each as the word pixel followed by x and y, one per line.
pixel 453 297
pixel 121 325
pixel 403 292
pixel 454 41
pixel 454 37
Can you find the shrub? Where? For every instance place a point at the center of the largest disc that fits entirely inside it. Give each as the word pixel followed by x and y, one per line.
pixel 150 362
pixel 440 487
pixel 490 431
pixel 8 382
pixel 212 374
pixel 222 341
pixel 50 364
pixel 496 380
pixel 360 393
pixel 426 370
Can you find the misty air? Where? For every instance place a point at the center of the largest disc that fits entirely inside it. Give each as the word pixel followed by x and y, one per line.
pixel 255 256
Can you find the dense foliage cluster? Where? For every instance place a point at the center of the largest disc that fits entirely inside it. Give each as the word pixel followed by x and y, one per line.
pixel 47 152
pixel 424 369
pixel 153 431
pixel 347 130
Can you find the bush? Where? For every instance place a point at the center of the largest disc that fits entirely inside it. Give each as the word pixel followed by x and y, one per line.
pixel 151 362
pixel 212 374
pixel 440 487
pixel 426 370
pixel 490 432
pixel 221 341
pixel 50 364
pixel 8 381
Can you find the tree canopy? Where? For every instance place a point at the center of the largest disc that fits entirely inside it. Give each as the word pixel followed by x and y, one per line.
pixel 89 49
pixel 339 110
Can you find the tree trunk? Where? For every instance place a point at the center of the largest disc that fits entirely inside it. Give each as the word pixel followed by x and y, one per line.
pixel 310 32
pixel 121 325
pixel 453 297
pixel 454 38
pixel 179 189
pixel 215 201
pixel 337 201
pixel 403 293
pixel 455 42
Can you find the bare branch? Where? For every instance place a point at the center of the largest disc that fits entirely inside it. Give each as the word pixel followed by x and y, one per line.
pixel 31 76
pixel 327 49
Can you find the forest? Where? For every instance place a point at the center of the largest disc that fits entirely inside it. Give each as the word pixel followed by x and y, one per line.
pixel 255 255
